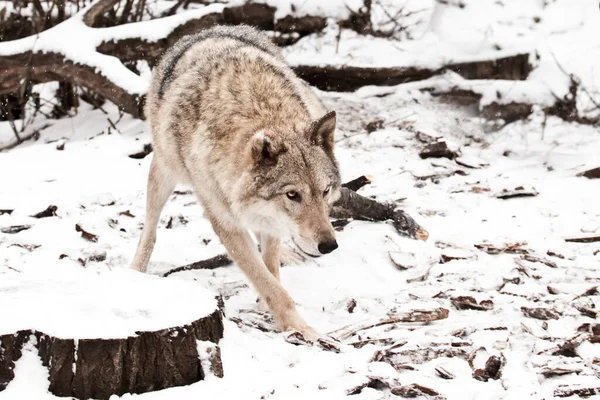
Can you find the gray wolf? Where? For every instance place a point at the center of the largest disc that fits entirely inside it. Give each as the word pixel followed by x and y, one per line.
pixel 231 119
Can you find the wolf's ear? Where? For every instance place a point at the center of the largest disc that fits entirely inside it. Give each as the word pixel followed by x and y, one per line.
pixel 266 148
pixel 321 131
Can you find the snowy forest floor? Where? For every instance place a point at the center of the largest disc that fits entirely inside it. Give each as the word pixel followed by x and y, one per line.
pixel 522 301
pixel 93 182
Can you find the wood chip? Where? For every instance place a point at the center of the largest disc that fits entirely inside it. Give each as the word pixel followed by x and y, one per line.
pixel 48 212
pixel 568 347
pixel 147 149
pixel 492 369
pixel 444 373
pixel 351 306
pixel 581 391
pixel 413 390
pixel 583 239
pixel 540 313
pixel 519 191
pixel 514 248
pixel 127 213
pixel 593 173
pixel 437 150
pixel 86 235
pixel 536 259
pixel 469 303
pixel 358 183
pixel 549 372
pixel 15 229
pixel 8 212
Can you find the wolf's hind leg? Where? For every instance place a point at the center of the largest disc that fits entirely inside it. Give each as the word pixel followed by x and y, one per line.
pixel 243 251
pixel 160 187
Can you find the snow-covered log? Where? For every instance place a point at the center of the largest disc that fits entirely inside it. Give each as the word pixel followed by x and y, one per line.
pixel 102 333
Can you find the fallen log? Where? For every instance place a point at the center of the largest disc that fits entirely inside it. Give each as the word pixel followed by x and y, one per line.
pixel 349 78
pixel 353 205
pixel 129 343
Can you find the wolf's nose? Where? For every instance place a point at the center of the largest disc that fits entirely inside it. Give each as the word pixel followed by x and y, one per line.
pixel 327 247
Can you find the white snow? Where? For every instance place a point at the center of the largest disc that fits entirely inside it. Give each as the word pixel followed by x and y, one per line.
pixel 68 301
pixel 93 183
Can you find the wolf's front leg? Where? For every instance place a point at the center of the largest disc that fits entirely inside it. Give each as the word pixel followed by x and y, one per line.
pixel 244 253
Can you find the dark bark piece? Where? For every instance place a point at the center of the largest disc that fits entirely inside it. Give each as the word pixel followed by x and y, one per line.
pixel 353 205
pixel 519 191
pixel 469 303
pixel 589 328
pixel 351 305
pixel 86 235
pixel 549 372
pixel 492 369
pixel 583 239
pixel 532 258
pixel 514 248
pixel 221 260
pixel 583 392
pixel 569 347
pixel 437 150
pixel 146 150
pixel 48 212
pixel 15 229
pixel 2 212
pixel 339 224
pixel 444 373
pixel 413 390
pixel 593 173
pixel 348 79
pixel 358 183
pixel 101 368
pixel 540 313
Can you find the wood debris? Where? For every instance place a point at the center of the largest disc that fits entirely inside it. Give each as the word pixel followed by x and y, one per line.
pixel 437 149
pixel 86 235
pixel 15 229
pixel 48 212
pixel 540 313
pixel 519 191
pixel 469 303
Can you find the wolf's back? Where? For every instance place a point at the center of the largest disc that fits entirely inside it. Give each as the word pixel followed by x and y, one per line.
pixel 165 72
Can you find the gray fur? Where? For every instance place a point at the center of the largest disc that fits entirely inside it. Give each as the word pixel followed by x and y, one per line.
pixel 229 117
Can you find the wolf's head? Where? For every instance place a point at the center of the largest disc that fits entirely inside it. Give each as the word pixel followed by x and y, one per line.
pixel 290 182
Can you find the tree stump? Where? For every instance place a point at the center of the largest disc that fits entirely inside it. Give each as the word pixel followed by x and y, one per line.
pixel 101 333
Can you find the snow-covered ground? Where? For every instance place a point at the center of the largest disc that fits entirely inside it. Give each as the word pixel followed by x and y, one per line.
pixel 82 166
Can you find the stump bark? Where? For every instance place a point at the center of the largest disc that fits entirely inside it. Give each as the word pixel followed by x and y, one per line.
pixel 92 348
pixel 100 368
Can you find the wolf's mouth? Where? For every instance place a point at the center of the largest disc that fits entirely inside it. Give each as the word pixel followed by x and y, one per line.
pixel 302 250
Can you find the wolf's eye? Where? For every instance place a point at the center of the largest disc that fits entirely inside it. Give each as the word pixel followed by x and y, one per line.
pixel 293 195
pixel 326 192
